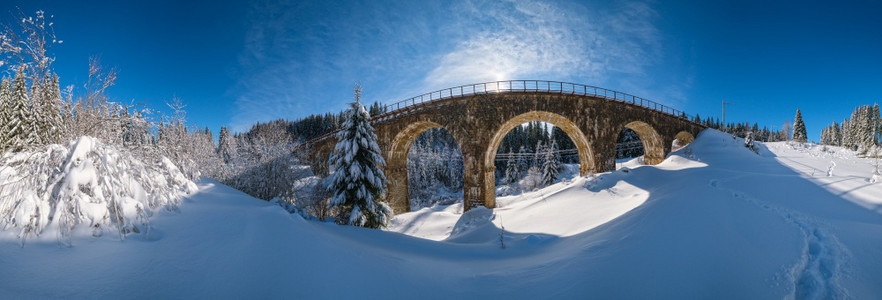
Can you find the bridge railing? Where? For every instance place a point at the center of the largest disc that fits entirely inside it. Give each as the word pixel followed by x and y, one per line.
pixel 509 86
pixel 514 86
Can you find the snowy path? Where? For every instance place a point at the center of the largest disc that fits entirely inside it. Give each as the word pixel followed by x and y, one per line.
pixel 817 272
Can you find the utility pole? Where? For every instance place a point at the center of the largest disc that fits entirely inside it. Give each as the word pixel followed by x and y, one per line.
pixel 724 114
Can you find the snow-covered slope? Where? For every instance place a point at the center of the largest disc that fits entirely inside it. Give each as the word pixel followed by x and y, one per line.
pixel 714 220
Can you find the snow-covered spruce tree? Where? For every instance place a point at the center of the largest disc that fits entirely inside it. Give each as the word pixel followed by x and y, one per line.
pixel 522 162
pixel 877 121
pixel 225 145
pixel 5 108
pixel 866 130
pixel 512 170
pixel 550 164
pixel 855 130
pixel 20 118
pixel 539 156
pixel 825 136
pixel 358 184
pixel 845 133
pixel 836 134
pixel 49 107
pixel 799 132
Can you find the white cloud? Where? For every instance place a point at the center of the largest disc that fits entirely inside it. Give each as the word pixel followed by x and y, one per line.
pixel 541 40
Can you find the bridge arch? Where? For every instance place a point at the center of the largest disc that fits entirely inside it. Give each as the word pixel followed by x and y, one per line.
pixel 682 139
pixel 397 191
pixel 586 154
pixel 653 144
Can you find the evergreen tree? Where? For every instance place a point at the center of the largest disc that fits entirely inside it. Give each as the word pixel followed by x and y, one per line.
pixel 877 121
pixel 845 132
pixel 20 120
pixel 866 129
pixel 550 164
pixel 835 134
pixel 512 172
pixel 225 147
pixel 51 109
pixel 538 155
pixel 799 132
pixel 358 183
pixel 825 136
pixel 5 115
pixel 523 165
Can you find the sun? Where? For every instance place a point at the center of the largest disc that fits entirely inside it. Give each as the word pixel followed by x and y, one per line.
pixel 499 76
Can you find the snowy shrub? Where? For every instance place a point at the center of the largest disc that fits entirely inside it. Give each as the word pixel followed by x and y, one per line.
pixel 311 199
pixel 830 168
pixel 88 183
pixel 748 142
pixel 287 206
pixel 532 181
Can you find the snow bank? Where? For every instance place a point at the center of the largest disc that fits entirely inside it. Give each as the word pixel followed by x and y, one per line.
pixel 87 183
pixel 714 220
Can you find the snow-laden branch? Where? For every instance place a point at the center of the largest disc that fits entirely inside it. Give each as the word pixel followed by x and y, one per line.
pixel 87 183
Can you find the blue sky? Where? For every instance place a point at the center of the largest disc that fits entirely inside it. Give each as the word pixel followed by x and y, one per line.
pixel 237 63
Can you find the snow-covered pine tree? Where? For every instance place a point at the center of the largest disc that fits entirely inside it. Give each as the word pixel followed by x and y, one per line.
pixel 877 124
pixel 358 183
pixel 511 169
pixel 225 145
pixel 836 134
pixel 825 136
pixel 20 119
pixel 799 132
pixel 51 109
pixel 855 128
pixel 523 165
pixel 845 133
pixel 865 129
pixel 877 121
pixel 5 108
pixel 538 156
pixel 550 164
pixel 40 127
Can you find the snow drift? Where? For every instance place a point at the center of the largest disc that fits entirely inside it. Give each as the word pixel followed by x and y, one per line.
pixel 87 183
pixel 714 220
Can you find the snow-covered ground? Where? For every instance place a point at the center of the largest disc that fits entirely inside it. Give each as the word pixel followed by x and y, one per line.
pixel 714 220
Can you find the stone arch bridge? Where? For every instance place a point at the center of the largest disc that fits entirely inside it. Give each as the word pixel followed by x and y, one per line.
pixel 478 116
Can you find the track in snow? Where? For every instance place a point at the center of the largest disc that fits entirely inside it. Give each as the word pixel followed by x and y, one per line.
pixel 819 268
